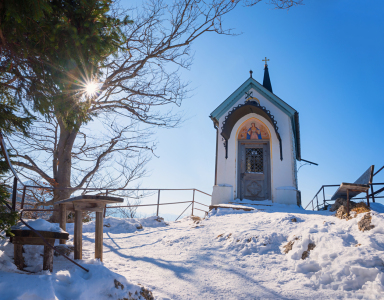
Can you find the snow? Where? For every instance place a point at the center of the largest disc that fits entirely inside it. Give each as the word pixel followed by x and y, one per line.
pixel 232 254
pixel 66 282
pixel 40 225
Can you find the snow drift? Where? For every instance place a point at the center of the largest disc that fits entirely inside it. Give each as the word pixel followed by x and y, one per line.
pixel 232 254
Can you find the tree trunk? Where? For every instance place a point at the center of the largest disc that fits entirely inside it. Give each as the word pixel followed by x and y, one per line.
pixel 62 165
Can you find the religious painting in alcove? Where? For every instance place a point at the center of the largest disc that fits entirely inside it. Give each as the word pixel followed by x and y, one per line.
pixel 253 129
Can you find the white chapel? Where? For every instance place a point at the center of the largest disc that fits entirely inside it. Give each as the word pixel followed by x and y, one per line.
pixel 257 146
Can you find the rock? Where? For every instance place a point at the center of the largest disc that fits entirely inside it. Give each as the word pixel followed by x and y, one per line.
pixel 293 220
pixel 305 254
pixel 159 219
pixel 196 219
pixel 342 202
pixel 341 212
pixel 138 227
pixel 289 245
pixel 365 222
pixel 118 284
pixel 63 249
pixel 146 294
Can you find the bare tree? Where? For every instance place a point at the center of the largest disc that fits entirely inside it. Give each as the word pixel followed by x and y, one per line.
pixel 130 90
pixel 131 210
pixel 279 4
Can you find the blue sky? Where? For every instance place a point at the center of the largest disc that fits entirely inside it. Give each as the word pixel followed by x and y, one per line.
pixel 325 61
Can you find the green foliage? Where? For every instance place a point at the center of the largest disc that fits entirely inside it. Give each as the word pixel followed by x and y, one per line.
pixel 13 117
pixel 56 48
pixel 7 218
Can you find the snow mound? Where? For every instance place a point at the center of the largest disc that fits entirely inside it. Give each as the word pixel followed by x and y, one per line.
pixel 67 281
pixel 126 225
pixel 275 252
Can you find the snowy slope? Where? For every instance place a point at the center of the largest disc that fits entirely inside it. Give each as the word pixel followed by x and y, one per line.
pixel 235 255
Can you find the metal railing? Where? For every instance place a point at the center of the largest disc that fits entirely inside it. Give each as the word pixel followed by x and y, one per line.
pixel 372 195
pixel 118 192
pixel 323 204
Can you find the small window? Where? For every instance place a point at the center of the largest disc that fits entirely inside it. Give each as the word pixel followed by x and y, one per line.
pixel 254 160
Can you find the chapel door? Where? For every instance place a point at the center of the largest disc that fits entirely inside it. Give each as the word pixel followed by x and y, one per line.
pixel 254 167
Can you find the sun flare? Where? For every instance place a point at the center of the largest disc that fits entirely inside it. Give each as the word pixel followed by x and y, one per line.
pixel 91 88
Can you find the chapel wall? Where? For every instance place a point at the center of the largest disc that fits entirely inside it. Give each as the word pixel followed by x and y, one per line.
pixel 282 173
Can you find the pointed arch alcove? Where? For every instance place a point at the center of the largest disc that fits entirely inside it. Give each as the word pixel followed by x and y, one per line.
pixel 240 111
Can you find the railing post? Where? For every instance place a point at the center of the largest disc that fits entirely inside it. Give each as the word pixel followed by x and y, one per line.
pixel 193 201
pixel 324 196
pixel 158 203
pixel 105 208
pixel 14 193
pixel 22 201
pixel 317 202
pixel 373 196
pixel 312 204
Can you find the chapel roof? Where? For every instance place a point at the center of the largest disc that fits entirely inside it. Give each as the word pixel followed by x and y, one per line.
pixel 240 92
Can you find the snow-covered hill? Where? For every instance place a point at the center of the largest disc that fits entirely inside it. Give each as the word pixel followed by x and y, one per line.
pixel 230 255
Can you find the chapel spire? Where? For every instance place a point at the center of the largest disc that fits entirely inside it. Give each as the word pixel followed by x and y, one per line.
pixel 267 81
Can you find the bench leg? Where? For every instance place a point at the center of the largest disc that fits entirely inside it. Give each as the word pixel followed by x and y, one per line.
pixel 18 256
pixel 48 256
pixel 368 200
pixel 78 238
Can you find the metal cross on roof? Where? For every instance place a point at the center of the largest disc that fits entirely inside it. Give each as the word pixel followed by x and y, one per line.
pixel 265 60
pixel 248 95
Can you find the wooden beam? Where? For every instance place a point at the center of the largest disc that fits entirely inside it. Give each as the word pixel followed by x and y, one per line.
pixel 87 206
pixel 78 238
pixel 63 220
pixel 99 236
pixel 29 240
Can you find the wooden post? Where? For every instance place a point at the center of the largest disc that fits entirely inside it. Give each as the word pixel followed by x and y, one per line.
pixel 78 238
pixel 18 256
pixel 63 220
pixel 368 199
pixel 48 256
pixel 158 202
pixel 99 236
pixel 347 202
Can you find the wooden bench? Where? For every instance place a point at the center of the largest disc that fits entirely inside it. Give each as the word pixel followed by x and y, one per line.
pixel 28 237
pixel 86 203
pixel 350 190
